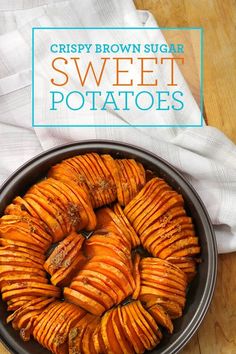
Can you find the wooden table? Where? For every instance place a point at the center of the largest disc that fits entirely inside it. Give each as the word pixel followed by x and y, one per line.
pixel 217 334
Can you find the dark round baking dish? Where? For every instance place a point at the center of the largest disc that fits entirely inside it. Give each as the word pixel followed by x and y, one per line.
pixel 202 287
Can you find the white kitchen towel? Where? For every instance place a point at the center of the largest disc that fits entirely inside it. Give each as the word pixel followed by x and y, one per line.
pixel 204 155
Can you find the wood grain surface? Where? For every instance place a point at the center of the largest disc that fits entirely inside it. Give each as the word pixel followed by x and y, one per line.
pixel 217 334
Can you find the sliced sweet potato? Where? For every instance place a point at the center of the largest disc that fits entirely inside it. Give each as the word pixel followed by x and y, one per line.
pixel 58 332
pixel 151 210
pixel 49 202
pixel 53 322
pixel 110 341
pixel 130 333
pixel 87 342
pixel 108 221
pixel 163 277
pixel 33 249
pixel 76 333
pixel 113 273
pixel 87 216
pixel 73 263
pixel 105 282
pixel 148 190
pixel 108 184
pixel 124 183
pixel 138 335
pixel 92 292
pixel 119 333
pixel 136 275
pixel 110 278
pixel 150 321
pixel 6 269
pixel 164 222
pixel 147 206
pixel 127 228
pixel 187 252
pixel 97 340
pixel 50 291
pixel 53 225
pixel 179 245
pixel 147 290
pixel 23 207
pixel 159 248
pixel 161 317
pixel 84 301
pixel 57 257
pixel 105 247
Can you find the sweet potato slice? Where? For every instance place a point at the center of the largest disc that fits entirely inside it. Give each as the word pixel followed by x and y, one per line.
pixel 111 279
pixel 119 333
pixel 52 223
pixel 148 204
pixel 187 252
pixel 97 340
pixel 23 207
pixel 105 282
pixel 148 190
pixel 136 275
pixel 147 290
pixel 173 309
pixel 159 248
pixel 33 249
pixel 113 167
pixel 49 291
pixel 91 291
pixel 35 304
pixel 49 202
pixel 123 267
pixel 90 277
pixel 58 333
pixel 162 277
pixel 54 320
pixel 61 342
pixel 108 184
pixel 107 220
pixel 124 182
pixel 16 234
pixel 106 248
pixel 87 342
pixel 101 184
pixel 150 321
pixel 76 333
pixel 148 337
pixel 161 317
pixel 6 269
pixel 164 222
pixel 139 339
pixel 151 210
pixel 130 334
pixel 110 341
pixel 64 276
pixel 8 280
pixel 86 302
pixel 127 228
pixel 161 233
pixel 179 245
pixel 58 256
pixel 113 273
pixel 42 320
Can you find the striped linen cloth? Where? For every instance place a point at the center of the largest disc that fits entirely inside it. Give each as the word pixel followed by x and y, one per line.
pixel 204 155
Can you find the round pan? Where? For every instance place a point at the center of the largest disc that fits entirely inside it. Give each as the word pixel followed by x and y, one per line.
pixel 202 287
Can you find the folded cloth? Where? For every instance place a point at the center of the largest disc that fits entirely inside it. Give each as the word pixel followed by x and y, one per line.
pixel 204 155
